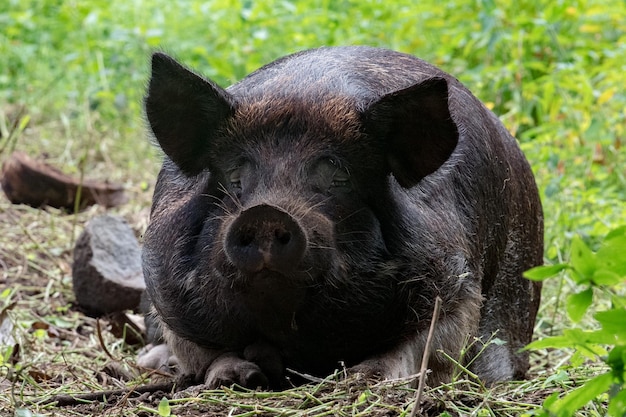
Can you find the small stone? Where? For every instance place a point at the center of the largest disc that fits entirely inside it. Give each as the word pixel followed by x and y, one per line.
pixel 107 273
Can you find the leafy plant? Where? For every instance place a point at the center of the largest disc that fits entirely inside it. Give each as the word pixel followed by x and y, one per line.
pixel 600 275
pixel 164 408
pixel 72 75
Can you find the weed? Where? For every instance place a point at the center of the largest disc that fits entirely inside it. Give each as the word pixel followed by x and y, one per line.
pixel 603 273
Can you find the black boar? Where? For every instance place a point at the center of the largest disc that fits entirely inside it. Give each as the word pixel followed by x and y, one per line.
pixel 310 214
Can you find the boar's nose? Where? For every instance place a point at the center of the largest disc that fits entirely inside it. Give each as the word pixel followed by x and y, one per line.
pixel 265 236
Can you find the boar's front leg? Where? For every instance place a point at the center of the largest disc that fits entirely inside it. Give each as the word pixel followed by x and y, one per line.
pixel 228 369
pixel 455 326
pixel 214 367
pixel 261 366
pixel 157 356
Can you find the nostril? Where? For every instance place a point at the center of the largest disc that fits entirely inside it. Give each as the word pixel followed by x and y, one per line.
pixel 246 237
pixel 282 236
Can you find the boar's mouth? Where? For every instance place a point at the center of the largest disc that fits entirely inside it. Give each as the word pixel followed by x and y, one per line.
pixel 273 300
pixel 266 246
pixel 268 290
pixel 275 257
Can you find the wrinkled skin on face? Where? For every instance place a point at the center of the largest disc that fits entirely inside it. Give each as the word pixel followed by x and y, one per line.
pixel 309 215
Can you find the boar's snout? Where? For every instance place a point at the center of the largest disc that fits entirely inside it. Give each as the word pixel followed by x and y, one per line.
pixel 265 237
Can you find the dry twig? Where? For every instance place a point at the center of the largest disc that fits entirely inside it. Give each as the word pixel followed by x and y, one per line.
pixel 63 400
pixel 425 357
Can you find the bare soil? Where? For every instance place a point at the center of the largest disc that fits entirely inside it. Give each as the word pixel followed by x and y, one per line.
pixel 53 349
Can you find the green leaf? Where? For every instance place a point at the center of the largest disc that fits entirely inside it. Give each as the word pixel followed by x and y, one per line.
pixel 617 404
pixel 602 337
pixel 578 303
pixel 576 337
pixel 540 273
pixel 618 301
pixel 575 400
pixel 164 408
pixel 363 398
pixel 613 322
pixel 559 377
pixel 582 260
pixel 550 400
pixel 616 360
pixel 606 277
pixel 23 412
pixel 616 233
pixel 550 342
pixel 579 357
pixel 610 256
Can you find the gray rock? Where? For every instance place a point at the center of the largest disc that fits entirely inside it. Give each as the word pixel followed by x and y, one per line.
pixel 107 274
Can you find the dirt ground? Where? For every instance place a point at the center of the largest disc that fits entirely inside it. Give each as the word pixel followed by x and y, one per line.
pixel 51 349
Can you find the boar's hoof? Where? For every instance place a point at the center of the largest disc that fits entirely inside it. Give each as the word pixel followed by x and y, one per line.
pixel 270 361
pixel 264 236
pixel 370 370
pixel 157 357
pixel 229 369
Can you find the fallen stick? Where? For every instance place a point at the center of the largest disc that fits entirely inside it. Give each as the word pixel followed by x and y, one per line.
pixel 64 400
pixel 426 356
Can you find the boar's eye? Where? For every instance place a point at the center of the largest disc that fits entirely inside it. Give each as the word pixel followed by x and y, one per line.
pixel 331 176
pixel 235 178
pixel 341 176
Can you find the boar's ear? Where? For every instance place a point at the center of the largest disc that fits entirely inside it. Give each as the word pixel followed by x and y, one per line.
pixel 184 111
pixel 417 129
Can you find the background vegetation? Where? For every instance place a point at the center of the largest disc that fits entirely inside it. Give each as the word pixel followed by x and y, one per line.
pixel 72 75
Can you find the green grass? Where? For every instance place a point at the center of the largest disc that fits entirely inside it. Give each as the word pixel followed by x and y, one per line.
pixel 72 76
